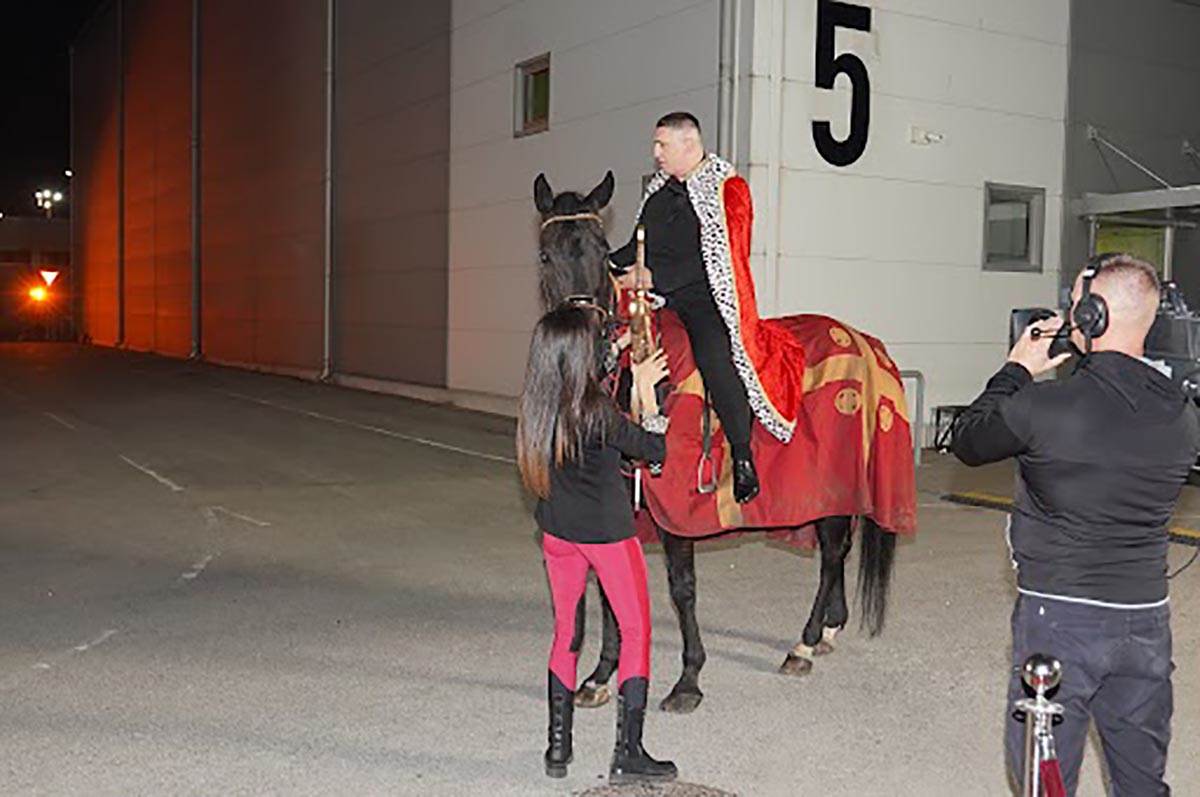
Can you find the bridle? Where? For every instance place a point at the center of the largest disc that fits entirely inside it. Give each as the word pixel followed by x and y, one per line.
pixel 583 300
pixel 574 217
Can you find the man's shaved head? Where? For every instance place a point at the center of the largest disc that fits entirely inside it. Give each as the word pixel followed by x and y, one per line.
pixel 1130 287
pixel 678 146
pixel 679 120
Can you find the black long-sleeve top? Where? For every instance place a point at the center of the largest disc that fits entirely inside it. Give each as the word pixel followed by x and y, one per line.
pixel 672 240
pixel 1102 456
pixel 588 501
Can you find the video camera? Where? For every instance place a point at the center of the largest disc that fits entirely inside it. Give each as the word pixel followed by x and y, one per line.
pixel 1022 318
pixel 1173 340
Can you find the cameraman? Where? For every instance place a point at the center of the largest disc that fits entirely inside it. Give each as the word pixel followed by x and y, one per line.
pixel 1102 458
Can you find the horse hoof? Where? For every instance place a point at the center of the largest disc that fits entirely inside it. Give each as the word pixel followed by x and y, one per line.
pixel 795 665
pixel 592 696
pixel 823 648
pixel 681 702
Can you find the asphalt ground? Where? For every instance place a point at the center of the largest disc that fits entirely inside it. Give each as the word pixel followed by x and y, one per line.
pixel 221 582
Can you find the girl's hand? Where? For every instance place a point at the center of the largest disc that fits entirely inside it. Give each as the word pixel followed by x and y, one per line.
pixel 646 375
pixel 625 339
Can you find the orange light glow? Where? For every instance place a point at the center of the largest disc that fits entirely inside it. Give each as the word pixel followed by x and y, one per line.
pixel 38 294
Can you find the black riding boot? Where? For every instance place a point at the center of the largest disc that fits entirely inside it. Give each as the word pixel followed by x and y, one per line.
pixel 630 761
pixel 562 708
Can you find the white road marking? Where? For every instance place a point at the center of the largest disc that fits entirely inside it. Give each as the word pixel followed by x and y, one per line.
pixel 197 568
pixel 100 640
pixel 376 429
pixel 175 488
pixel 262 524
pixel 57 419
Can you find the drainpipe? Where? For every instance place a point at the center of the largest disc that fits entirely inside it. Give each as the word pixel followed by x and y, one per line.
pixel 775 154
pixel 726 75
pixel 120 173
pixel 197 331
pixel 73 295
pixel 735 84
pixel 327 357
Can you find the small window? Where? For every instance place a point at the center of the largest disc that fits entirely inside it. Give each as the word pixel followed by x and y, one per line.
pixel 1013 220
pixel 533 96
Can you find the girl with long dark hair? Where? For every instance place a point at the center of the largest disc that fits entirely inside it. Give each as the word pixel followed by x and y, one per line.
pixel 570 438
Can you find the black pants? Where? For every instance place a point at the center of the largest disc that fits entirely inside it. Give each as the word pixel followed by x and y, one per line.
pixel 706 330
pixel 1116 671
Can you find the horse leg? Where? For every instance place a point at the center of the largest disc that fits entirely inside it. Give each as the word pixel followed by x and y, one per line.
pixel 681 574
pixel 594 691
pixel 837 613
pixel 833 536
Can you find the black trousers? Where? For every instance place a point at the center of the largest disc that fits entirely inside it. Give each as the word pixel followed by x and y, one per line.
pixel 1116 671
pixel 709 337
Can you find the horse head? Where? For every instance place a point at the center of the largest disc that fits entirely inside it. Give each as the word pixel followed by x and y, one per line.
pixel 572 248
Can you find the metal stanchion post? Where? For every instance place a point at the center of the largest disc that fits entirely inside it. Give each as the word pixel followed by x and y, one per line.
pixel 1041 674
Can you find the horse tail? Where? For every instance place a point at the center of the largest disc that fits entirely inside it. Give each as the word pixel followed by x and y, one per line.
pixel 877 550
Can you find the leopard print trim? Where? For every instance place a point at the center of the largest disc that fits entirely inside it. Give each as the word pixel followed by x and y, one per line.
pixel 706 190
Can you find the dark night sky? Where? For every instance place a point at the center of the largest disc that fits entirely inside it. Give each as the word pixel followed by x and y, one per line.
pixel 35 96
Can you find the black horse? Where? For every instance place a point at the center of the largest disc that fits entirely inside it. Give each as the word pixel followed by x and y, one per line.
pixel 573 261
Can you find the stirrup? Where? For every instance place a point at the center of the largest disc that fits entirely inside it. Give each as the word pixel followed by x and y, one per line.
pixel 705 488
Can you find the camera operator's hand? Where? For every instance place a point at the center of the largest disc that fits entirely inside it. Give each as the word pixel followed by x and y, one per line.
pixel 1034 355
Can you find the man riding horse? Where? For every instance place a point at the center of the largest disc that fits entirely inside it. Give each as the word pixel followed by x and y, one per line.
pixel 848 469
pixel 697 215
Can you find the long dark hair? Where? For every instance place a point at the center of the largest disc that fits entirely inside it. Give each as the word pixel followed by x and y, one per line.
pixel 562 406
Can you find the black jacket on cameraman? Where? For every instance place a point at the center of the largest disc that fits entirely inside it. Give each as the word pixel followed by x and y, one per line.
pixel 1103 456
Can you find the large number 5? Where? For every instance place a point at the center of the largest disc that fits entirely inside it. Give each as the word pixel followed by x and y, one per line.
pixel 832 14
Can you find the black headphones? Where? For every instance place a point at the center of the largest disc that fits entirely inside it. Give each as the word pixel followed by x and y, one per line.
pixel 1090 313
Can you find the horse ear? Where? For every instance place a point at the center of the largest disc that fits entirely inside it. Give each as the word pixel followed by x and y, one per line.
pixel 543 197
pixel 601 194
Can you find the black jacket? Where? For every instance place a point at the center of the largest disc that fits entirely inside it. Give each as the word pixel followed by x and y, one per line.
pixel 1102 456
pixel 672 240
pixel 588 501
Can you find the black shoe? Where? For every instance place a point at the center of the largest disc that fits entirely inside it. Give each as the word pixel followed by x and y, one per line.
pixel 630 761
pixel 745 480
pixel 562 715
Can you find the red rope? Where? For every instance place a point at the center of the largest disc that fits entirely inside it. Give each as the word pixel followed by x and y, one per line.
pixel 1052 781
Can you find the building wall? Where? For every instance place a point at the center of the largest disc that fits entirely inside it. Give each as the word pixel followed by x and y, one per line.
pixel 893 242
pixel 1135 74
pixel 434 227
pixel 392 140
pixel 262 182
pixel 95 115
pixel 616 67
pixel 158 175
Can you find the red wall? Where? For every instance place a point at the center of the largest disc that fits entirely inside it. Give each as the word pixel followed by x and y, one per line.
pixel 262 196
pixel 158 170
pixel 94 185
